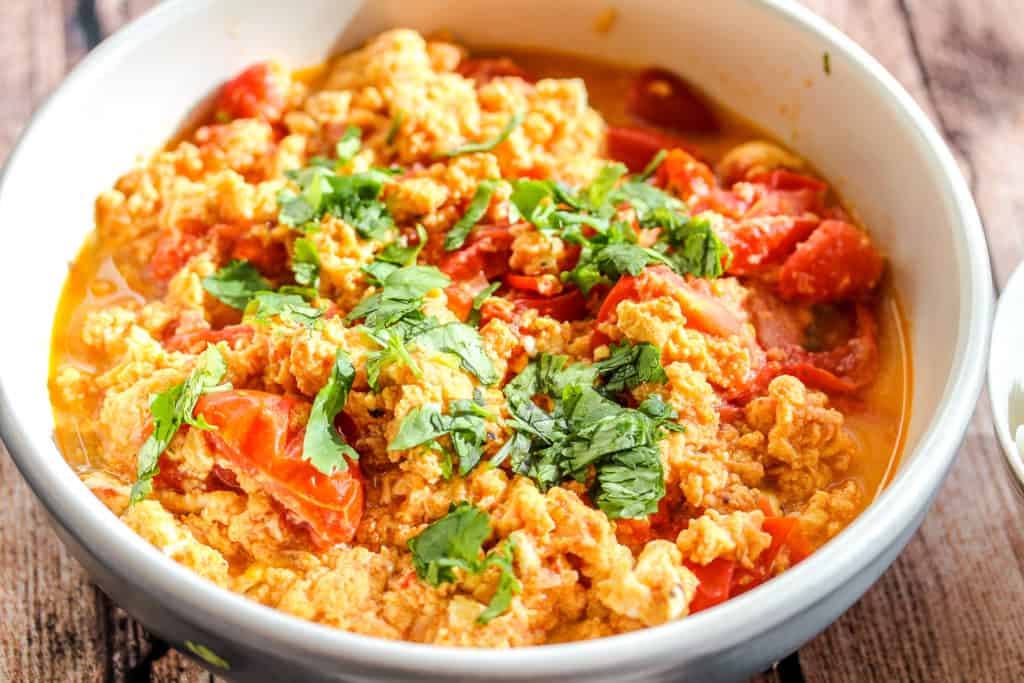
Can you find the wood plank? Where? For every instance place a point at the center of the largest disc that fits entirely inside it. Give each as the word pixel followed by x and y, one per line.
pixel 950 603
pixel 51 617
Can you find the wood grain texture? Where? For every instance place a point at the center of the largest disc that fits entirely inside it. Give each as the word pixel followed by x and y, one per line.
pixel 948 610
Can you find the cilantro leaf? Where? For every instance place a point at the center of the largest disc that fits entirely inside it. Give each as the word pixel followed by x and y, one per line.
pixel 392 342
pixel 599 191
pixel 289 307
pixel 463 341
pixel 353 198
pixel 508 584
pixel 396 125
pixel 631 365
pixel 456 237
pixel 306 263
pixel 172 408
pixel 323 445
pixel 697 248
pixel 465 425
pixel 653 165
pixel 456 540
pixel 349 144
pixel 236 284
pixel 402 293
pixel 631 484
pixel 488 145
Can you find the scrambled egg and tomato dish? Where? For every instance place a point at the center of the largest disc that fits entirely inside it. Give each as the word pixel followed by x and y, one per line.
pixel 424 348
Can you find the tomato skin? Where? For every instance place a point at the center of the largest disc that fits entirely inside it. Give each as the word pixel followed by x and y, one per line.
pixel 461 294
pixel 485 252
pixel 173 250
pixel 257 92
pixel 256 433
pixel 660 97
pixel 702 310
pixel 837 262
pixel 486 69
pixel 270 258
pixel 682 174
pixel 635 146
pixel 564 307
pixel 758 243
pixel 715 583
pixel 529 283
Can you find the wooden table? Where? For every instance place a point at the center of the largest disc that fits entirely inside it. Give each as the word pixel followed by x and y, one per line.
pixel 952 606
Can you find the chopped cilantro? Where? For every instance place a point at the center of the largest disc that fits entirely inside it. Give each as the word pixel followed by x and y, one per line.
pixel 395 255
pixel 349 144
pixel 172 408
pixel 456 541
pixel 287 306
pixel 631 365
pixel 401 293
pixel 474 212
pixel 306 263
pixel 696 248
pixel 396 125
pixel 463 341
pixel 236 284
pixel 323 445
pixel 353 198
pixel 653 165
pixel 488 145
pixel 465 425
pixel 586 435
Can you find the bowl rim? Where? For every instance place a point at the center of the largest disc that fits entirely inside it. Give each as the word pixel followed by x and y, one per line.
pixel 198 601
pixel 1011 295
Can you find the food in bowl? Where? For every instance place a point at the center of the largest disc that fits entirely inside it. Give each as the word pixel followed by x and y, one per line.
pixel 473 350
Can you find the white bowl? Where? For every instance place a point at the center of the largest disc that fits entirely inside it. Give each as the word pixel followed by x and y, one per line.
pixel 1006 373
pixel 857 125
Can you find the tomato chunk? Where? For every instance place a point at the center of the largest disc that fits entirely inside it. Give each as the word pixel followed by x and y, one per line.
pixel 257 92
pixel 563 307
pixel 715 585
pixel 257 435
pixel 461 294
pixel 485 252
pixel 635 146
pixel 838 262
pixel 660 97
pixel 681 174
pixel 759 243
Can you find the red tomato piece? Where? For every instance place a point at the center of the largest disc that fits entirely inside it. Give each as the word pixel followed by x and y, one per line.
pixel 484 69
pixel 173 250
pixel 529 283
pixel 461 294
pixel 486 252
pixel 270 258
pixel 660 97
pixel 564 307
pixel 258 436
pixel 684 176
pixel 838 262
pixel 257 92
pixel 716 580
pixel 196 341
pixel 761 242
pixel 635 147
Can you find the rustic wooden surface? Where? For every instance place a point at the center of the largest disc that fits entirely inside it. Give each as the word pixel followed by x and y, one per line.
pixel 952 606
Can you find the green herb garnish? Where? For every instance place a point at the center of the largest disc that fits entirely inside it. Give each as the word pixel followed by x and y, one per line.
pixel 323 445
pixel 289 307
pixel 349 145
pixel 488 145
pixel 236 284
pixel 631 365
pixel 353 198
pixel 465 425
pixel 456 541
pixel 478 301
pixel 172 408
pixel 306 263
pixel 456 237
pixel 396 124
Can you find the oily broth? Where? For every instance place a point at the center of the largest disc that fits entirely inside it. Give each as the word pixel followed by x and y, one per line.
pixel 98 278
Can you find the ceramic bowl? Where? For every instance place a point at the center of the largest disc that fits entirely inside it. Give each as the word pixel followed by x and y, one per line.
pixel 1006 375
pixel 762 58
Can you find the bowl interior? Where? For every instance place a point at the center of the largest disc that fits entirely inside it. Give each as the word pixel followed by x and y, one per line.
pixel 753 56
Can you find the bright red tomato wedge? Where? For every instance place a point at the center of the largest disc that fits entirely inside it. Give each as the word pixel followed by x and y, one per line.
pixel 838 262
pixel 257 434
pixel 257 92
pixel 635 146
pixel 660 97
pixel 564 307
pixel 485 252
